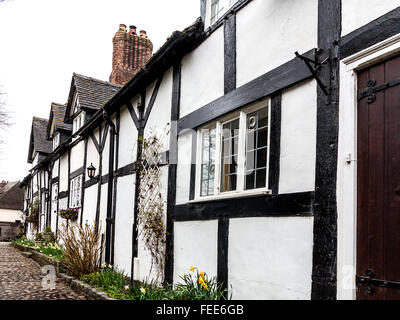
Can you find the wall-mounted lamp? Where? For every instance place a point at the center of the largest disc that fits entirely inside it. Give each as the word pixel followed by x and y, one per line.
pixel 91 171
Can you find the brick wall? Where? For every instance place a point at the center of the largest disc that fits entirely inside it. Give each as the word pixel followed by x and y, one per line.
pixel 130 52
pixel 9 230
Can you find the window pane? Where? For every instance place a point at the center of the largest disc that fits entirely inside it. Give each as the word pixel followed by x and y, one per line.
pixel 208 162
pixel 250 180
pixel 262 138
pixel 257 147
pixel 261 177
pixel 263 118
pixel 230 145
pixel 261 158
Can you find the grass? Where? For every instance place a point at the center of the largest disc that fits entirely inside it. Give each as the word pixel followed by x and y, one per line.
pixel 194 286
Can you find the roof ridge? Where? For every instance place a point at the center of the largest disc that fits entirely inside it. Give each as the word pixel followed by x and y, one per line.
pixel 97 80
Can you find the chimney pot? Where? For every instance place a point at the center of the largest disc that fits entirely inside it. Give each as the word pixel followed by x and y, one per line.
pixel 132 29
pixel 143 33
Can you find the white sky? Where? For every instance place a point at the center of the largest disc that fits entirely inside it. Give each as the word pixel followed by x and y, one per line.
pixel 42 42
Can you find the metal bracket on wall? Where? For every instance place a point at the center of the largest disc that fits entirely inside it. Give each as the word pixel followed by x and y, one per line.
pixel 314 66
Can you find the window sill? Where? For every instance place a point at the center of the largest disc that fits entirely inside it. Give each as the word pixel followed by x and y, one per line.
pixel 235 195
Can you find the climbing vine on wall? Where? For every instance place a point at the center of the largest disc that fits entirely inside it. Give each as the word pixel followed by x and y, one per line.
pixel 151 203
pixel 33 217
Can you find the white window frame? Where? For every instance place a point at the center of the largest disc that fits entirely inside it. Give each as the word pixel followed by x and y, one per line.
pixel 56 140
pixel 75 193
pixel 240 182
pixel 78 122
pixel 226 4
pixel 54 197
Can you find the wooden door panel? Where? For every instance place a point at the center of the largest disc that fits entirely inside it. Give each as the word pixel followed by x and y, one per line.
pixel 392 177
pixel 378 167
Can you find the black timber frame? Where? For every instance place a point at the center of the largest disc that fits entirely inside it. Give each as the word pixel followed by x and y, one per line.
pixel 324 273
pixel 284 76
pixel 372 33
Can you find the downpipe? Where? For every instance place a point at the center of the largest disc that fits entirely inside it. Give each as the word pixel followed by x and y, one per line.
pixel 109 219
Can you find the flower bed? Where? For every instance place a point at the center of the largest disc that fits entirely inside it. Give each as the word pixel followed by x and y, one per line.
pixel 194 286
pixel 52 250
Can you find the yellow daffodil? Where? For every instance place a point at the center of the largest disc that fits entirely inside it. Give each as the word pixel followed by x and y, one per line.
pixel 143 290
pixel 202 274
pixel 192 268
pixel 183 275
pixel 205 286
pixel 126 288
pixel 201 280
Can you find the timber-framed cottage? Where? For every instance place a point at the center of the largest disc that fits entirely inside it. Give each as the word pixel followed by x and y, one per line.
pixel 277 124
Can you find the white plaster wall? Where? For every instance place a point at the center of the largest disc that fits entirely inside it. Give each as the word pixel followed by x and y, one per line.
pixel 298 138
pixel 124 222
pixel 357 13
pixel 183 167
pixel 270 31
pixel 127 139
pixel 106 151
pixel 35 159
pixel 203 74
pixel 55 169
pixel 103 209
pixel 160 115
pixel 63 181
pixel 195 244
pixel 62 204
pixel 270 258
pixel 89 206
pixel 7 215
pixel 145 268
pixel 92 154
pixel 77 156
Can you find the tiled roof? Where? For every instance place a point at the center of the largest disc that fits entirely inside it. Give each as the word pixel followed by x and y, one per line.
pixel 38 139
pixel 58 111
pixel 93 93
pixel 12 197
pixel 40 143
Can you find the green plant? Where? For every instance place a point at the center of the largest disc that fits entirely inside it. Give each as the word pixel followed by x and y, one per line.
pixel 33 217
pixel 69 214
pixel 195 286
pixel 53 250
pixel 48 229
pixel 39 236
pixel 82 245
pixel 25 242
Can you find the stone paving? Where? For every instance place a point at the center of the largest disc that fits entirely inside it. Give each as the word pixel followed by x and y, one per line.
pixel 21 279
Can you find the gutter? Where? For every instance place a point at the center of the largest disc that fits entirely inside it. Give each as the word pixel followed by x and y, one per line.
pixel 110 220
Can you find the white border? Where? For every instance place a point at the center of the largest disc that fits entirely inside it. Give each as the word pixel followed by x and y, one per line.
pixel 347 172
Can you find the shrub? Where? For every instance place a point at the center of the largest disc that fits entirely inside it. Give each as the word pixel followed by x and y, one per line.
pixel 81 248
pixel 48 229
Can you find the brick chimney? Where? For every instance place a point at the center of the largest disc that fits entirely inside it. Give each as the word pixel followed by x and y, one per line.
pixel 130 52
pixel 3 184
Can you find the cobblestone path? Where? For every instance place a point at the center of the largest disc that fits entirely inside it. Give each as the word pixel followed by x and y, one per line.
pixel 21 279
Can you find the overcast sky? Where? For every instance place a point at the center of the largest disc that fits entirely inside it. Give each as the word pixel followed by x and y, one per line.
pixel 42 42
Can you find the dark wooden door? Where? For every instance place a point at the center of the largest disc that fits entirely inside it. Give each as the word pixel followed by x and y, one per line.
pixel 378 217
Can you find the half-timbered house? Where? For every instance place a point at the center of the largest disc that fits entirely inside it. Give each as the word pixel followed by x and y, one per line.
pixel 276 126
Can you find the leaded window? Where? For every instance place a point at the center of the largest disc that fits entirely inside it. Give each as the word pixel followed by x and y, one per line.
pixel 75 192
pixel 233 153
